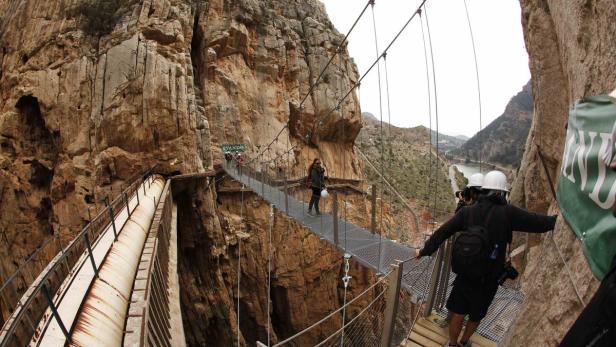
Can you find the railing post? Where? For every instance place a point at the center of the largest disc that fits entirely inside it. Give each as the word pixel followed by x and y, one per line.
pixel 335 217
pixel 444 278
pixel 91 255
pixel 111 216
pixel 137 193
pixel 262 180
pixel 286 194
pixel 436 273
pixel 391 308
pixel 373 220
pixel 126 203
pixel 54 311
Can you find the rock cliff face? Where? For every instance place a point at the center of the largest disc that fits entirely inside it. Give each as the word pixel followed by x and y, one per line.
pixel 572 49
pixel 81 111
pixel 79 115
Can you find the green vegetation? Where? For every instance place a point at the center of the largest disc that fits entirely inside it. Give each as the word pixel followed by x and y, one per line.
pixel 99 17
pixel 406 162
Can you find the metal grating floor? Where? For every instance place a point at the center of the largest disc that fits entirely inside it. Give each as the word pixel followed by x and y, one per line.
pixel 378 253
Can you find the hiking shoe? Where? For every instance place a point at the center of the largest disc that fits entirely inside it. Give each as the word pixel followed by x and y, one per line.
pixel 448 345
pixel 467 344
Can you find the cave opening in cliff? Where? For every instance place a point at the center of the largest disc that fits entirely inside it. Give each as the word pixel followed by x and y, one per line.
pixel 39 141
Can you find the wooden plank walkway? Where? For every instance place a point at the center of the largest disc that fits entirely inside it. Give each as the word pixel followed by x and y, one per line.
pixel 428 332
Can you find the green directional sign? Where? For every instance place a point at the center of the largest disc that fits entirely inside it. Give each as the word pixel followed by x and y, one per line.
pixel 235 147
pixel 587 186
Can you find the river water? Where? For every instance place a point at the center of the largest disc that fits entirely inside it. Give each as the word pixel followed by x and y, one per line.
pixel 467 169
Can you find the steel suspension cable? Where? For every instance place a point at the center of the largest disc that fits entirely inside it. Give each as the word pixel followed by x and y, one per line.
pixel 356 84
pixel 389 138
pixel 381 294
pixel 338 49
pixel 269 272
pixel 380 280
pixel 378 69
pixel 239 261
pixel 321 74
pixel 425 11
pixel 425 49
pixel 470 29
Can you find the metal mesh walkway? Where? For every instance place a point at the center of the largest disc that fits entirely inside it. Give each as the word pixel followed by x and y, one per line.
pixel 378 253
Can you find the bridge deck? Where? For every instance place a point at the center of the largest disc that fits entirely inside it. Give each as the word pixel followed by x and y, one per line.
pixel 378 253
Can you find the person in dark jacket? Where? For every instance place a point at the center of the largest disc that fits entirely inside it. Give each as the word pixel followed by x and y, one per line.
pixel 317 183
pixel 471 296
pixel 596 325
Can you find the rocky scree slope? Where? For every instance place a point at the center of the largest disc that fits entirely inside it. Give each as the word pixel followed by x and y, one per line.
pixel 571 48
pixel 502 141
pixel 82 111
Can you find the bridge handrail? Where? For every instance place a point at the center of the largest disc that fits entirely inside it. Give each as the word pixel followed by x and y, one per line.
pixel 32 302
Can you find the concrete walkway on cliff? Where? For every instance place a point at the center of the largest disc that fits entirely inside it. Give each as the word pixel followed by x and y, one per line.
pixel 377 253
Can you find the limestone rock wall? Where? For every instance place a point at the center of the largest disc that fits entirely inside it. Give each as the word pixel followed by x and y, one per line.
pixel 256 62
pixel 572 49
pixel 81 113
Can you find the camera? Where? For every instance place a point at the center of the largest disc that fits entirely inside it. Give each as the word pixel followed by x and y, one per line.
pixel 509 272
pixel 464 194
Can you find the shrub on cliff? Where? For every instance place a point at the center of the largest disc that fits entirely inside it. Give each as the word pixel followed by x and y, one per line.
pixel 99 17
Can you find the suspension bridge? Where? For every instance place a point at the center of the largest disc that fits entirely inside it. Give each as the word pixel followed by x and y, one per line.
pixel 116 283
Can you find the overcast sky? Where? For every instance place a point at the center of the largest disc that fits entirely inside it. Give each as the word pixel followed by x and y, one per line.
pixel 501 54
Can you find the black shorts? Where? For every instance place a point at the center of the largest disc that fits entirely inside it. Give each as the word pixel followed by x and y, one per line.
pixel 471 298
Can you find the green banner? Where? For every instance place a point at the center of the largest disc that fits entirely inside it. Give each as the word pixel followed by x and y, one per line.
pixel 587 186
pixel 235 147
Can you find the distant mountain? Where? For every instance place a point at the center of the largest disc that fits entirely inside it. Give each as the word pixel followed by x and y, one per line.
pixel 368 115
pixel 502 141
pixel 446 142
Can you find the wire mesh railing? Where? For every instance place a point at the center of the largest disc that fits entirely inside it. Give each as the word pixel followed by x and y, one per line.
pixel 359 322
pixel 26 302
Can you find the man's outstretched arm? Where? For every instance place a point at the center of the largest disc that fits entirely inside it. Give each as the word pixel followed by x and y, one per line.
pixel 455 224
pixel 522 220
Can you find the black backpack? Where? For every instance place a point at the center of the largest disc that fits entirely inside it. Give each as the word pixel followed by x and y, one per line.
pixel 471 250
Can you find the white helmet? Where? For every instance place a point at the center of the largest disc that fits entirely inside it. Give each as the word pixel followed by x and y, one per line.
pixel 495 180
pixel 324 193
pixel 476 181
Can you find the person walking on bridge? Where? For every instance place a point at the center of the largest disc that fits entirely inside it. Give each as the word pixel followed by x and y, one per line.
pixel 317 183
pixel 479 252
